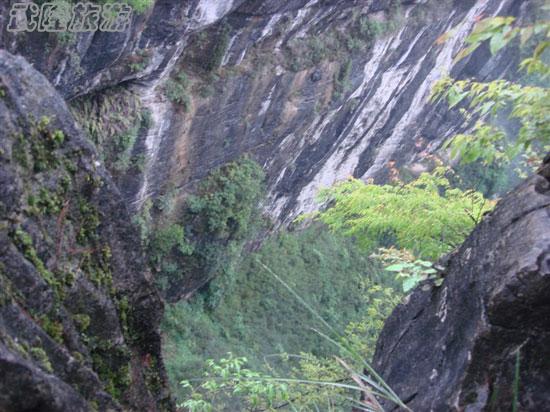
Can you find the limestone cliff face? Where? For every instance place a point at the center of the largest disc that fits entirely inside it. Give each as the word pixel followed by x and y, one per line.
pixel 314 90
pixel 322 92
pixel 78 313
pixel 80 63
pixel 455 347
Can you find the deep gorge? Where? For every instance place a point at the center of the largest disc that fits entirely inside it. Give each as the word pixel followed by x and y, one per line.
pixel 149 177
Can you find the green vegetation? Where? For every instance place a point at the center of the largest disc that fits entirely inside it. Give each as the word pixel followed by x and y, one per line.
pixel 226 200
pixel 304 296
pixel 260 319
pixel 38 150
pixel 219 49
pixel 338 45
pixel 82 321
pixel 112 119
pixel 407 267
pixel 526 101
pixel 426 216
pixel 53 328
pixel 41 357
pixel 341 81
pixel 140 6
pixel 24 242
pixel 214 226
pixel 138 61
pixel 177 90
pixel 111 362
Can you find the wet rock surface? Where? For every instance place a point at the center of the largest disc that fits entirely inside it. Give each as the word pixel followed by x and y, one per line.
pixel 454 348
pixel 315 94
pixel 79 316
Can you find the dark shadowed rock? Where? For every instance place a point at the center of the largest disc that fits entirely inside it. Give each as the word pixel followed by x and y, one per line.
pixel 79 316
pixel 454 348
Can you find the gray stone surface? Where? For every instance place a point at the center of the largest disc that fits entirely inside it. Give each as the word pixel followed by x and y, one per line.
pixel 79 316
pixel 453 348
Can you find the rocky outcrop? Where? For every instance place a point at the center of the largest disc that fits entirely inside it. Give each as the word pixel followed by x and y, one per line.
pixel 315 91
pixel 79 316
pixel 315 94
pixel 456 347
pixel 78 63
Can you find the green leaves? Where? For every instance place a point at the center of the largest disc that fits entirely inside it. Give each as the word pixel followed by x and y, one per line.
pixel 397 268
pixel 425 216
pixel 408 269
pixel 529 105
pixel 227 199
pixel 177 90
pixel 497 30
pixel 455 96
pixel 230 377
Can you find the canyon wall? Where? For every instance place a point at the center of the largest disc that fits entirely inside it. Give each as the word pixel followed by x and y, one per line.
pixel 459 347
pixel 79 315
pixel 315 91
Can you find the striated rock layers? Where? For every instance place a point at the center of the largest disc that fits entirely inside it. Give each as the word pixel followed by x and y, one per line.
pixel 454 348
pixel 78 313
pixel 315 91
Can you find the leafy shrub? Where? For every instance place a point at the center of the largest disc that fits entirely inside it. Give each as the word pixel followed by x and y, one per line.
pixel 214 226
pixel 229 377
pixel 411 270
pixel 226 200
pixel 426 216
pixel 527 104
pixel 177 90
pixel 168 249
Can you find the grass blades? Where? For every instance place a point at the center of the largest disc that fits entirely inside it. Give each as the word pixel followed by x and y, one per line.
pixel 376 385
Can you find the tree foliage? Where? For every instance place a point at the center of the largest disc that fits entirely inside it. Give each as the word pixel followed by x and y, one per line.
pixel 426 216
pixel 211 231
pixel 227 199
pixel 526 101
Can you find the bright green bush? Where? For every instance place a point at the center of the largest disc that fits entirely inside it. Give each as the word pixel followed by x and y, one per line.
pixel 426 216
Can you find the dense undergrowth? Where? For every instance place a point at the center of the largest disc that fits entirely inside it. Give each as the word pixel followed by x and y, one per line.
pixel 305 296
pixel 259 319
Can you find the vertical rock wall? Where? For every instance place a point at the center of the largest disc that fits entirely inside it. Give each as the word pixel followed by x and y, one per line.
pixel 455 347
